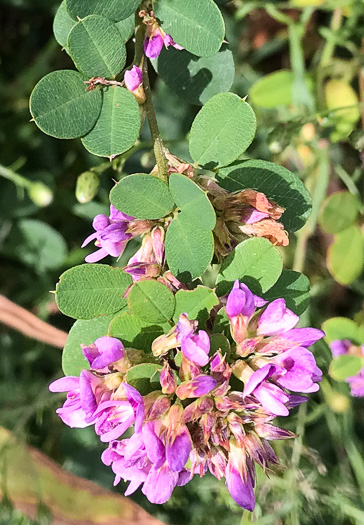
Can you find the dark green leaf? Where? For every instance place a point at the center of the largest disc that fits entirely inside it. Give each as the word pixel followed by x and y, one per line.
pixel 255 262
pixel 294 287
pixel 126 27
pixel 151 301
pixel 115 10
pixel 145 377
pixel 90 290
pixel 97 47
pixel 196 79
pixel 136 333
pixel 62 24
pixel 142 196
pixel 61 106
pixel 222 130
pixel 276 182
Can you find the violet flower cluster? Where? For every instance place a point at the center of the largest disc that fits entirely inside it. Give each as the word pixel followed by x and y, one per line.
pixel 346 347
pixel 196 422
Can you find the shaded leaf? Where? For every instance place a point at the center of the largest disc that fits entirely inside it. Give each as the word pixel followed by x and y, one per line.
pixel 345 256
pixel 342 328
pixel 144 377
pixel 115 10
pixel 345 366
pixel 275 89
pixel 196 303
pixel 294 287
pixel 339 211
pixel 136 333
pixel 126 27
pixel 62 24
pixel 151 301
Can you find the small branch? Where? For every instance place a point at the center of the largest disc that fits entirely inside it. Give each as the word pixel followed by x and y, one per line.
pixel 153 124
pixel 28 324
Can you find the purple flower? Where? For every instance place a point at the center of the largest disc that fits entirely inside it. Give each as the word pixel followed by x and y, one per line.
pixel 270 396
pixel 133 78
pixel 357 384
pixel 197 347
pixel 199 386
pixel 345 346
pixel 340 347
pixel 299 370
pixel 276 319
pixel 111 235
pixel 103 352
pixel 239 478
pixel 155 40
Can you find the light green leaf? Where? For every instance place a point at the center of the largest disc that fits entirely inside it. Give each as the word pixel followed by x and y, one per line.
pixel 339 211
pixel 97 47
pixel 136 333
pixel 61 106
pixel 196 303
pixel 222 130
pixel 193 201
pixel 36 244
pixel 200 31
pixel 345 256
pixel 189 250
pixel 196 79
pixel 345 366
pixel 62 24
pixel 90 290
pixel 142 196
pixel 144 377
pixel 255 262
pixel 151 301
pixel 115 10
pixel 294 287
pixel 275 89
pixel 342 328
pixel 126 27
pixel 82 332
pixel 276 182
pixel 118 126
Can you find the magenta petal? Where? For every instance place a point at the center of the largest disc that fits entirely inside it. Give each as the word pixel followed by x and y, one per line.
pixel 276 319
pixel 272 400
pixel 74 418
pixel 133 78
pixel 304 336
pixel 194 350
pixel 258 377
pixel 64 384
pixel 179 451
pixel 241 492
pixel 87 396
pixel 96 256
pixel 153 445
pixel 153 46
pixel 339 347
pixel 117 431
pixel 159 484
pixel 110 350
pixel 88 239
pixel 202 385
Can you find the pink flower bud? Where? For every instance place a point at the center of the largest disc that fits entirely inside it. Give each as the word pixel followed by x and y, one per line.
pixel 167 379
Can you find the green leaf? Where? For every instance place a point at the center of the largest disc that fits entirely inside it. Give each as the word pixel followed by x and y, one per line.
pixel 345 366
pixel 90 290
pixel 276 182
pixel 255 262
pixel 126 27
pixel 189 250
pixel 144 377
pixel 222 130
pixel 118 126
pixel 345 256
pixel 275 89
pixel 219 342
pixel 36 244
pixel 222 323
pixel 339 211
pixel 97 47
pixel 294 287
pixel 82 332
pixel 200 31
pixel 342 328
pixel 136 333
pixel 196 79
pixel 193 201
pixel 61 106
pixel 151 301
pixel 62 24
pixel 196 303
pixel 115 10
pixel 142 196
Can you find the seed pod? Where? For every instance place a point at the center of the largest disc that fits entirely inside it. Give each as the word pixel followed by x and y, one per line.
pixel 40 194
pixel 87 186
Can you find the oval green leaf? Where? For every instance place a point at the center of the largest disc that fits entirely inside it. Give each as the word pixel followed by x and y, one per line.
pixel 196 79
pixel 199 30
pixel 192 201
pixel 126 27
pixel 144 377
pixel 97 47
pixel 255 262
pixel 189 250
pixel 82 332
pixel 62 24
pixel 276 182
pixel 118 126
pixel 345 256
pixel 151 301
pixel 196 303
pixel 115 10
pixel 90 290
pixel 222 131
pixel 345 366
pixel 136 333
pixel 294 287
pixel 142 196
pixel 275 89
pixel 61 106
pixel 343 328
pixel 339 211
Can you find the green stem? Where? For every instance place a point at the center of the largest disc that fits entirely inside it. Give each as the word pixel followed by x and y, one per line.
pixel 329 47
pixel 17 179
pixel 158 146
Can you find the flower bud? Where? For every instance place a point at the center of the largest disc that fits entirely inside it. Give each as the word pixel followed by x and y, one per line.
pixel 133 79
pixel 87 186
pixel 40 194
pixel 167 379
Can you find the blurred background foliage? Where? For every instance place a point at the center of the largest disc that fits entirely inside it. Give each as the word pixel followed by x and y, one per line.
pixel 300 63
